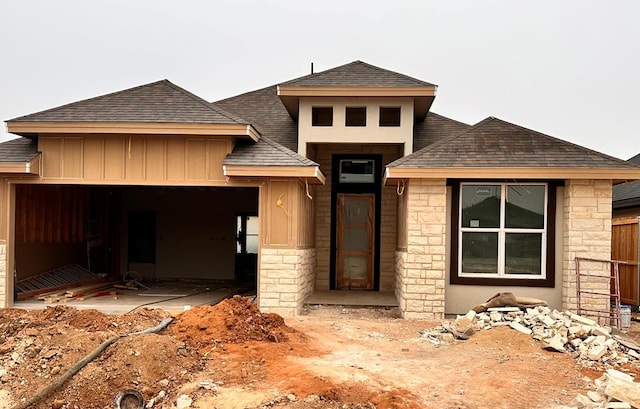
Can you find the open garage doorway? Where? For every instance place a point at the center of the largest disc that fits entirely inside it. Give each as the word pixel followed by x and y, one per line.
pixel 144 234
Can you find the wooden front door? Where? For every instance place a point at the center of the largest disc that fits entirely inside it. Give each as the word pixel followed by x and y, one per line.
pixel 355 241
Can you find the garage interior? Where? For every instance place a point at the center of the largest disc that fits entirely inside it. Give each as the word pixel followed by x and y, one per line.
pixel 171 242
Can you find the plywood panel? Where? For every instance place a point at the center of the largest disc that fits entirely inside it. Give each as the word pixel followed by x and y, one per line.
pixel 51 149
pixel 155 159
pixel 46 214
pixel 176 159
pixel 135 157
pixel 280 209
pixel 114 157
pixel 218 150
pixel 93 162
pixel 196 159
pixel 72 155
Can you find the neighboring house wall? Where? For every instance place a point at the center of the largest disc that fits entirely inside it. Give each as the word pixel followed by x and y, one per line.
pixel 322 202
pixel 420 274
pixel 372 133
pixel 587 233
pixel 627 212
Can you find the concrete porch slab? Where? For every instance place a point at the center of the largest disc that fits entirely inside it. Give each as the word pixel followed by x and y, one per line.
pixel 352 298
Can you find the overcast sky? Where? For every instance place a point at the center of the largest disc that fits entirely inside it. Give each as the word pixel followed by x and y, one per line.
pixel 570 69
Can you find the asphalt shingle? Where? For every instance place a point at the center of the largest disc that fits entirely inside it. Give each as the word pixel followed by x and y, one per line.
pixel 356 74
pixel 18 150
pixel 265 152
pixel 496 143
pixel 264 110
pixel 161 102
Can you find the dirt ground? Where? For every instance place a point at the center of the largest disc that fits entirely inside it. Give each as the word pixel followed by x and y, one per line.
pixel 232 356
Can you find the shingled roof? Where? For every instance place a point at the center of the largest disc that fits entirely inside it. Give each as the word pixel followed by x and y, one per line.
pixel 18 150
pixel 157 102
pixel 434 128
pixel 356 74
pixel 265 152
pixel 494 143
pixel 264 110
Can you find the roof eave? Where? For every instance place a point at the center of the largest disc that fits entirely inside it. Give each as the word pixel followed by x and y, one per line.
pixel 423 96
pixel 243 131
pixel 31 167
pixel 616 175
pixel 313 173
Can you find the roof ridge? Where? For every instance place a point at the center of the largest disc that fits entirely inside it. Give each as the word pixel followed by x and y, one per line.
pixel 330 70
pixel 207 104
pixel 90 99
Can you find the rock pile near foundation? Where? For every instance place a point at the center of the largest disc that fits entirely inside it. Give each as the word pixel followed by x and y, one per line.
pixel 591 344
pixel 614 389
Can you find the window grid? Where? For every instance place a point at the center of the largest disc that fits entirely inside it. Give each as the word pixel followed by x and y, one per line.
pixel 502 233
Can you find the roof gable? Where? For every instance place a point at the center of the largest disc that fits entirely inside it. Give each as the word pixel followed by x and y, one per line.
pixel 157 102
pixel 356 74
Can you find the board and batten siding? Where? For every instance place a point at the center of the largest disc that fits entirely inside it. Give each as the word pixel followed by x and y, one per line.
pixel 131 159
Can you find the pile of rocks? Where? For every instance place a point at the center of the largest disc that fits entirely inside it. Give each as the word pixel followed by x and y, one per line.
pixel 614 389
pixel 591 344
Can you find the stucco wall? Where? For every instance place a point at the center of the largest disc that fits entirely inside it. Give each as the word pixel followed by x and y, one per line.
pixel 371 133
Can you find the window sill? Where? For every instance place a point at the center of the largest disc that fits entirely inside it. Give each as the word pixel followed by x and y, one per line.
pixel 547 282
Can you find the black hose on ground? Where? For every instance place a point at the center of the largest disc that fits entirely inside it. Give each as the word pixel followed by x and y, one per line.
pixel 84 361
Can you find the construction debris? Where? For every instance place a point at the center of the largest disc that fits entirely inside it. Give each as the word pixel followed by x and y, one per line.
pixel 591 345
pixel 508 300
pixel 614 389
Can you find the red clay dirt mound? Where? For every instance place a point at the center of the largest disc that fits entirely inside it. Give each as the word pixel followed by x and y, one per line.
pixel 235 321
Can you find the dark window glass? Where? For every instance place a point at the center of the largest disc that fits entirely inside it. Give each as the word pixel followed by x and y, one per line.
pixel 481 206
pixel 524 207
pixel 523 253
pixel 322 116
pixel 356 116
pixel 480 253
pixel 389 116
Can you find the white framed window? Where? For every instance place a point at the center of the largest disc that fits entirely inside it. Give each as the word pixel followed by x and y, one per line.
pixel 502 230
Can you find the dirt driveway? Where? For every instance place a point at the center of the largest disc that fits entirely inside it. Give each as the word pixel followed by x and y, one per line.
pixel 231 356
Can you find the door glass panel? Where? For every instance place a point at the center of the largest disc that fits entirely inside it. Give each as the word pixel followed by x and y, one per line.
pixel 355 267
pixel 523 253
pixel 525 207
pixel 480 253
pixel 481 205
pixel 356 210
pixel 355 239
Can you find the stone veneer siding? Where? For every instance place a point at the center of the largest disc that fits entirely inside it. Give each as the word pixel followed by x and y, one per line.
pixel 420 270
pixel 286 279
pixel 587 233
